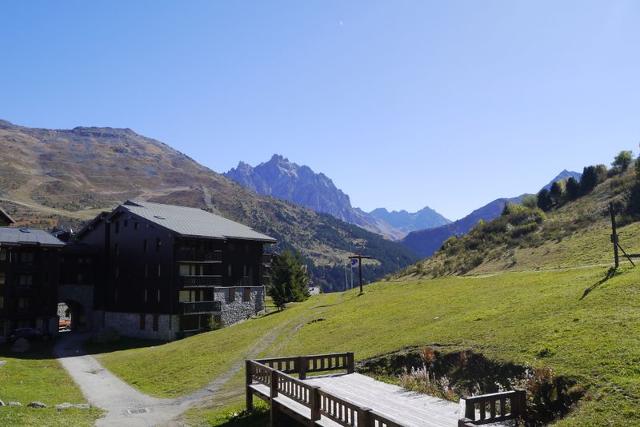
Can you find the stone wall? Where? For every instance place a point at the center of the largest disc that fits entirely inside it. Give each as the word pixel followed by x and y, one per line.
pixel 235 309
pixel 128 325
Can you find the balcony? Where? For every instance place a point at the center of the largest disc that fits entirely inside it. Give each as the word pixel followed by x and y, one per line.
pixel 196 255
pixel 200 281
pixel 201 307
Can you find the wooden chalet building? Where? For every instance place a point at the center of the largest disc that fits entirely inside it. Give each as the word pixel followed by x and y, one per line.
pixel 29 275
pixel 167 271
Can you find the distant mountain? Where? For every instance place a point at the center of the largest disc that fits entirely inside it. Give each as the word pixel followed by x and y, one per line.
pixel 564 175
pixel 410 221
pixel 425 242
pixel 283 179
pixel 66 177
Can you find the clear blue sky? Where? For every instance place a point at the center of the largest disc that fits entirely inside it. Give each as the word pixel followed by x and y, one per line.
pixel 402 103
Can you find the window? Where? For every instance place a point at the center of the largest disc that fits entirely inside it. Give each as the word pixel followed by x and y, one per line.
pixel 116 249
pixel 244 270
pixel 229 270
pixel 184 296
pixel 23 303
pixel 135 225
pixel 116 226
pixel 142 321
pixel 126 223
pixel 26 257
pixel 116 272
pixel 144 245
pixel 158 296
pixel 185 270
pixel 3 278
pixel 145 295
pixel 159 270
pixel 231 295
pixel 25 280
pixel 1 305
pixel 246 295
pixel 155 322
pixel 3 255
pixel 158 244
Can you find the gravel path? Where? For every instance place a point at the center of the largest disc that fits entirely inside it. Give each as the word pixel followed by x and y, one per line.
pixel 126 406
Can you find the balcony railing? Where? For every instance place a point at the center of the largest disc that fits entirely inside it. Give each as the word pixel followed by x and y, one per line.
pixel 200 281
pixel 196 255
pixel 201 307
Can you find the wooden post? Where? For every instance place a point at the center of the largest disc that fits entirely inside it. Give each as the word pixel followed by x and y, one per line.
pixel 274 384
pixel 351 366
pixel 248 381
pixel 360 272
pixel 519 404
pixel 314 402
pixel 614 236
pixel 302 367
pixel 364 417
pixel 469 410
pixel 273 410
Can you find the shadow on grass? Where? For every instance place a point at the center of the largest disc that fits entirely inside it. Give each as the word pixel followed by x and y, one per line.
pixel 256 418
pixel 610 273
pixel 38 350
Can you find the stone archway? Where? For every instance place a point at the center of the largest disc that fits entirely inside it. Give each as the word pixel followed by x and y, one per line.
pixel 75 307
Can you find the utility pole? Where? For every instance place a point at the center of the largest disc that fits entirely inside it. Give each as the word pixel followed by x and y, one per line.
pixel 360 258
pixel 614 236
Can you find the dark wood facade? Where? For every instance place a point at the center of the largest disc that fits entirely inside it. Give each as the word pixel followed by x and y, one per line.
pixel 29 277
pixel 146 268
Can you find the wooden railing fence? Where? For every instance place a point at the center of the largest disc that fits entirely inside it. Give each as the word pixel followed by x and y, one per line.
pixel 275 373
pixel 493 408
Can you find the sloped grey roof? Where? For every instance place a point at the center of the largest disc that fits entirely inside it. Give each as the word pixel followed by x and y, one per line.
pixel 193 222
pixel 27 236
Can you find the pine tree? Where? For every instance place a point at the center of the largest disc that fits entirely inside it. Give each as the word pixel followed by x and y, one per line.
pixel 289 279
pixel 572 188
pixel 544 200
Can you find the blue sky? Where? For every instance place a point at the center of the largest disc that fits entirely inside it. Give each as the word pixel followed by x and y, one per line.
pixel 402 103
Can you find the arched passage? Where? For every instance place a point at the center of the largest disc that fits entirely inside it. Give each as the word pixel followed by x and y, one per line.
pixel 71 316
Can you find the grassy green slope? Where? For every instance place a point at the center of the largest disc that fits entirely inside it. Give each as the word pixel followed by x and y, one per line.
pixel 510 316
pixel 34 376
pixel 574 234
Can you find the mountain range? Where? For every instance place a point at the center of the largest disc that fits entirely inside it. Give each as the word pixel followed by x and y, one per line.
pixel 299 184
pixel 66 177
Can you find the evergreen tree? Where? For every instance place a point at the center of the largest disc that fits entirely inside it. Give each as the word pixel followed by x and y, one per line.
pixel 544 200
pixel 622 161
pixel 556 192
pixel 592 176
pixel 572 189
pixel 289 279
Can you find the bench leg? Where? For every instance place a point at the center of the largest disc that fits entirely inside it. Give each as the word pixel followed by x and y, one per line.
pixel 249 401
